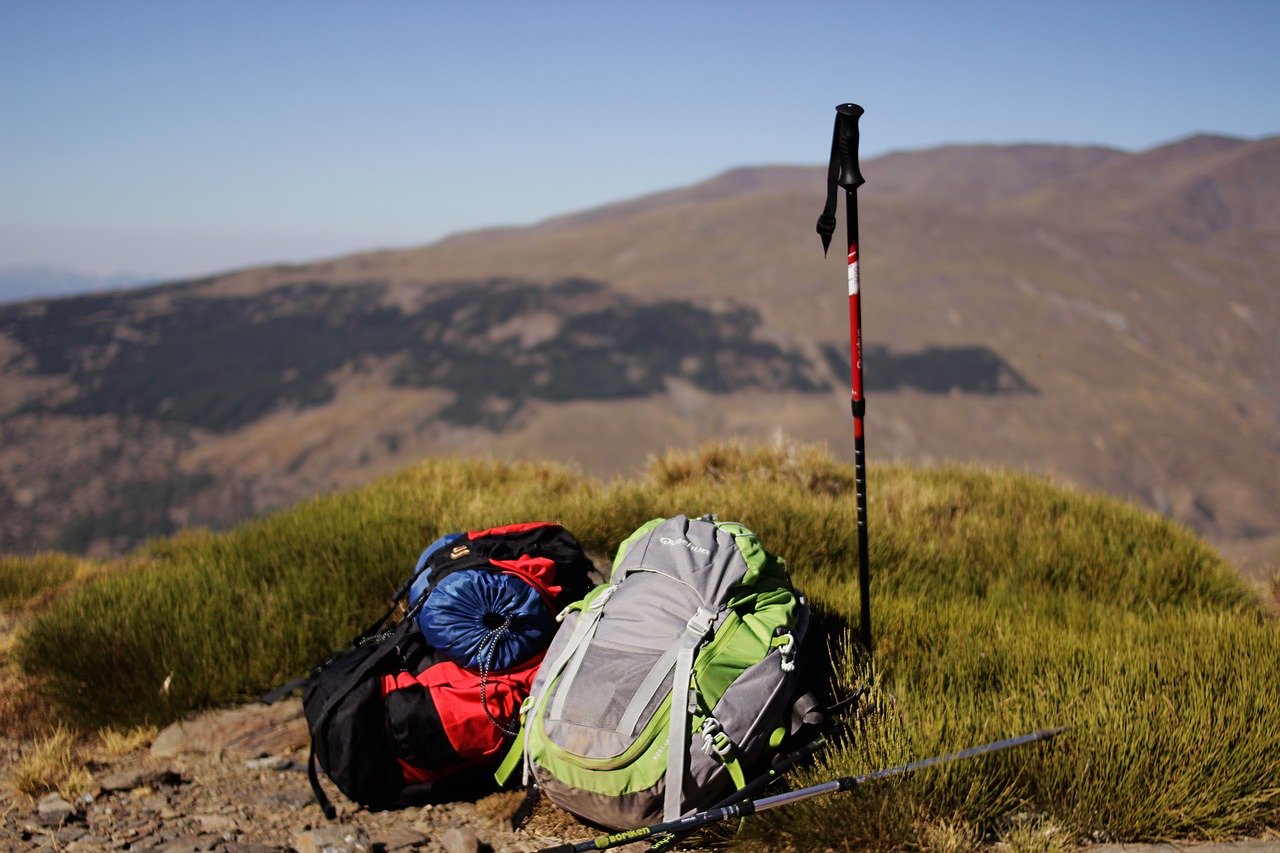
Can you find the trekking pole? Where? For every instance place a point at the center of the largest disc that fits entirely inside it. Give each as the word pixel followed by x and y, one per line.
pixel 750 807
pixel 784 765
pixel 843 172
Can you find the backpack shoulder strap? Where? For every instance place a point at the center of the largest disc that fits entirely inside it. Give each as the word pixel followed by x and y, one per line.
pixel 678 727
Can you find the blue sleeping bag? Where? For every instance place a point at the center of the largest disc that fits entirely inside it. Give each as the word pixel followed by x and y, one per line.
pixel 486 621
pixel 480 618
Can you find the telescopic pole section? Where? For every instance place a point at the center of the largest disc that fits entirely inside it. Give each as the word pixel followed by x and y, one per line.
pixel 746 808
pixel 843 172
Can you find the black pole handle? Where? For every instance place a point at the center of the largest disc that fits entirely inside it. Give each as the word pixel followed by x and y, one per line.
pixel 845 146
pixel 843 169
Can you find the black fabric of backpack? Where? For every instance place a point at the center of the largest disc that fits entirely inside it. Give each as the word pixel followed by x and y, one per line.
pixel 347 721
pixel 390 715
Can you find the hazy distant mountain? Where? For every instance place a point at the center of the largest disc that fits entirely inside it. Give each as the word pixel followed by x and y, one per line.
pixel 18 282
pixel 1103 317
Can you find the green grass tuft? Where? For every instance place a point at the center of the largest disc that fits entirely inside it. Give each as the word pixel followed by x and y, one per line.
pixel 25 578
pixel 1002 604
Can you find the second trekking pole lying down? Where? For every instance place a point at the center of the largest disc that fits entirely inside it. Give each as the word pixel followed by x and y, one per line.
pixel 781 768
pixel 749 807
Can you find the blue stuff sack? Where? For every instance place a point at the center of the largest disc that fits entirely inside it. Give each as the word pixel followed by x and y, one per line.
pixel 493 595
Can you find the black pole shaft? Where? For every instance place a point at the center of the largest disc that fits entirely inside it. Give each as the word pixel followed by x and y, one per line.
pixel 750 807
pixel 781 768
pixel 752 788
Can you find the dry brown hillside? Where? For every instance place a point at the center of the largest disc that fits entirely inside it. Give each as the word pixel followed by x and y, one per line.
pixel 1103 317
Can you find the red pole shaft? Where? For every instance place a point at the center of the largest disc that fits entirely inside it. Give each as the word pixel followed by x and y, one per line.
pixel 858 405
pixel 855 339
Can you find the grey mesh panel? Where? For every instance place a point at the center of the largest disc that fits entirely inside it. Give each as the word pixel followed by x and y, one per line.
pixel 594 697
pixel 635 630
pixel 642 704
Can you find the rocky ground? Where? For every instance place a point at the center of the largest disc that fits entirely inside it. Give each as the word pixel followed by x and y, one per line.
pixel 236 781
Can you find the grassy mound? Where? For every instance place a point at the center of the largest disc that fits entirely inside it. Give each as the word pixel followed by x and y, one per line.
pixel 1002 604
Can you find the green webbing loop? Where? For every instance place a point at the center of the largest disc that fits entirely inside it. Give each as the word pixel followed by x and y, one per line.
pixel 512 759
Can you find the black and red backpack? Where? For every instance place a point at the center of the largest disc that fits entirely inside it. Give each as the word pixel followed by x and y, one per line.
pixel 437 695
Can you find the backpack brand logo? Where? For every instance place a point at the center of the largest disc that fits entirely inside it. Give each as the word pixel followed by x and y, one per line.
pixel 697 549
pixel 459 551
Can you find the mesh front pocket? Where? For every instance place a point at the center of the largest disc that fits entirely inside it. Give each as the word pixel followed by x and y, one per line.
pixel 590 721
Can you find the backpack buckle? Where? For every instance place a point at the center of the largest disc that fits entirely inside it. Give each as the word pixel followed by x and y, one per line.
pixel 714 740
pixel 599 601
pixel 700 623
pixel 786 646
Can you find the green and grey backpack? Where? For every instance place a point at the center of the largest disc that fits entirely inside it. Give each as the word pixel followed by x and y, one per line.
pixel 665 686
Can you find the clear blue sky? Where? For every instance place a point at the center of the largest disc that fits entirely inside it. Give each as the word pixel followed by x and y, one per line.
pixel 170 137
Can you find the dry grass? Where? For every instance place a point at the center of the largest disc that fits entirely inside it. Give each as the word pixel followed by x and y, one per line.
pixel 1036 836
pixel 954 835
pixel 23 711
pixel 117 742
pixel 53 763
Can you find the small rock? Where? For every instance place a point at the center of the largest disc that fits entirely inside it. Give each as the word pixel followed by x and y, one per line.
pixel 332 839
pixel 269 762
pixel 188 844
pixel 125 780
pixel 459 839
pixel 400 838
pixel 294 799
pixel 248 847
pixel 250 731
pixel 171 741
pixel 70 834
pixel 152 804
pixel 215 822
pixel 53 810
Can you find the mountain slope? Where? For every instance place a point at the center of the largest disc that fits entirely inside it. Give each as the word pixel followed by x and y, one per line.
pixel 1075 311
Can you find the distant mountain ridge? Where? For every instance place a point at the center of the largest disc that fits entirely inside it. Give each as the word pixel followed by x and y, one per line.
pixel 20 282
pixel 1104 317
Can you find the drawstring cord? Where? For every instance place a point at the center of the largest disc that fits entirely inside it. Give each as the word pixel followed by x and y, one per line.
pixel 486 666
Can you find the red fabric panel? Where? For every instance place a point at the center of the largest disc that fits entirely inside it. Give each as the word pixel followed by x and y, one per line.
pixel 455 691
pixel 397 681
pixel 465 723
pixel 415 775
pixel 509 529
pixel 538 572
